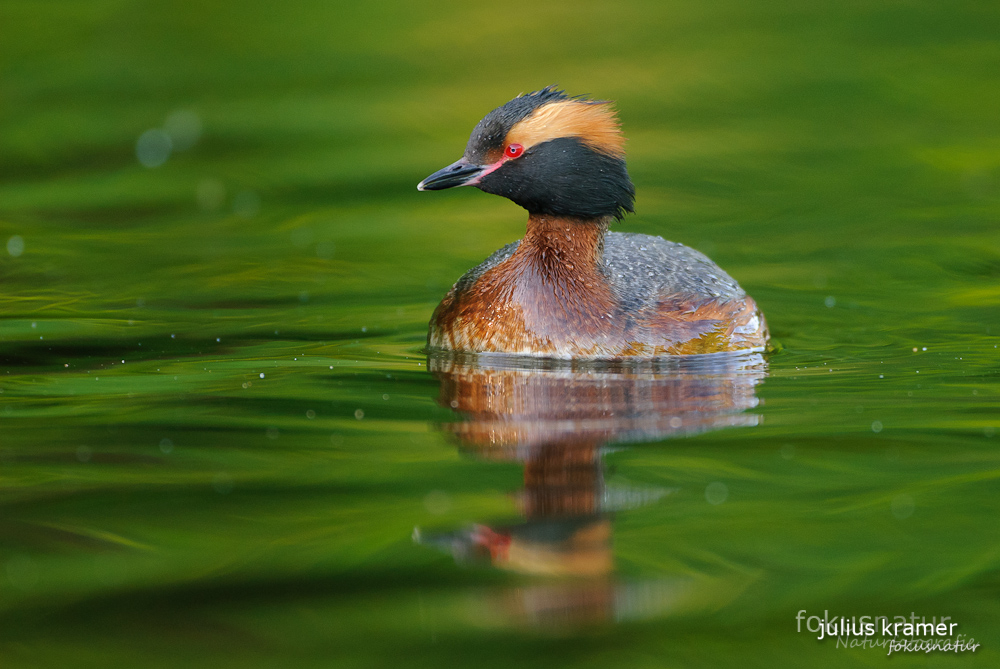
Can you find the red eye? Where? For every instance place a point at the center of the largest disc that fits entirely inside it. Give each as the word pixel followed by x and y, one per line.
pixel 513 150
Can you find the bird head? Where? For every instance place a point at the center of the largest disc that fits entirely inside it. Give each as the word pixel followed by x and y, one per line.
pixel 550 153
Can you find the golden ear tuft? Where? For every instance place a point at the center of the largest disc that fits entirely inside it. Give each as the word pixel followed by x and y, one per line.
pixel 594 123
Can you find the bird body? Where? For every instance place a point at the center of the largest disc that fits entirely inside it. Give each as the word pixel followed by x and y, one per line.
pixel 570 289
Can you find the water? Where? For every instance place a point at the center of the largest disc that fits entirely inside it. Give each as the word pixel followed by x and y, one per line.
pixel 221 442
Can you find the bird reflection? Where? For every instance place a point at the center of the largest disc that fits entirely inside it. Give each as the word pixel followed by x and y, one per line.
pixel 555 417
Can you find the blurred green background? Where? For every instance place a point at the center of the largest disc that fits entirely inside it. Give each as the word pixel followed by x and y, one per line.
pixel 186 344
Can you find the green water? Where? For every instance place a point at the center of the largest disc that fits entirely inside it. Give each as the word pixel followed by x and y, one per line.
pixel 218 431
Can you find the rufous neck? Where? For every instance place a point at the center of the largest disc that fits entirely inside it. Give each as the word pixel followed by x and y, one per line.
pixel 572 239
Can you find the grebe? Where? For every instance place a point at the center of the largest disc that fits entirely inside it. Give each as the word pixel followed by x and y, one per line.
pixel 570 289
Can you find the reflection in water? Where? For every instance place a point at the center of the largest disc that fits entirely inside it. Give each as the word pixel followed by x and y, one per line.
pixel 555 417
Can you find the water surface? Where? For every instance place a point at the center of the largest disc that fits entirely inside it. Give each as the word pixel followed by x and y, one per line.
pixel 222 443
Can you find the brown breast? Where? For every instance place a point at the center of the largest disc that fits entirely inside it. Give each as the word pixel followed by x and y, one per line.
pixel 550 297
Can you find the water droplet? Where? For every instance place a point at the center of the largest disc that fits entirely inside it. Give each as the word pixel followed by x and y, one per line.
pixel 359 414
pixel 903 506
pixel 15 245
pixel 716 492
pixel 166 446
pixel 437 502
pixel 184 128
pixel 210 194
pixel 876 426
pixel 153 148
pixel 830 301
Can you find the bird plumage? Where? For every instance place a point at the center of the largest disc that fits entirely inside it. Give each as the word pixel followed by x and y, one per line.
pixel 570 289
